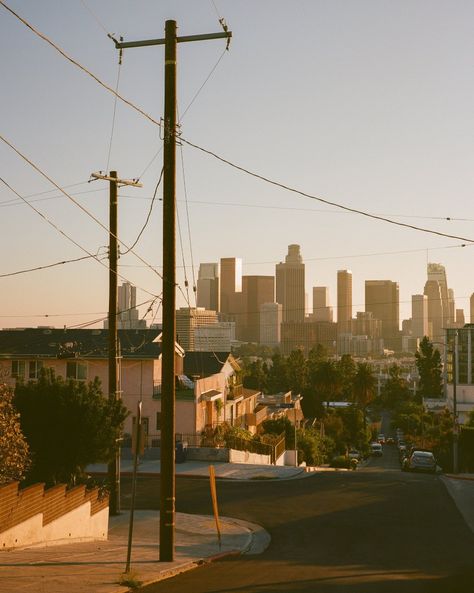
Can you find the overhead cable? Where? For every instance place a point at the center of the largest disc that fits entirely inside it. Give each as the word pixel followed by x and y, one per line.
pixel 318 199
pixel 228 162
pixel 148 215
pixel 59 263
pixel 60 231
pixel 83 68
pixel 94 218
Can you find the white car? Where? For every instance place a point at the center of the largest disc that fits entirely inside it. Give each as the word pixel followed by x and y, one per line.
pixel 376 449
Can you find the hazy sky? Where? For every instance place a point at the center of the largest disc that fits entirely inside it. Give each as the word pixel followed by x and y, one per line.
pixel 366 103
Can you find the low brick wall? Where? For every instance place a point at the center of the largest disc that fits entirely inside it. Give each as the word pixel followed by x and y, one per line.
pixel 35 516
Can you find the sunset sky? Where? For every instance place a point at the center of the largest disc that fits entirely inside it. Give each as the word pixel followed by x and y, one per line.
pixel 365 104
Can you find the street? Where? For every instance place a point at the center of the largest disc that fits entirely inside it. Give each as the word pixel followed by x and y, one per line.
pixel 372 530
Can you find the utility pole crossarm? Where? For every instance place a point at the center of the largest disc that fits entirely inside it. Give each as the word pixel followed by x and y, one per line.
pixel 205 37
pixel 132 182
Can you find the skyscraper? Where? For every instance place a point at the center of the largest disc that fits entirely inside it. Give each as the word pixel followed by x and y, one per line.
pixel 290 285
pixel 271 316
pixel 256 290
pixel 382 299
pixel 437 273
pixel 187 320
pixel 128 314
pixel 435 310
pixel 208 286
pixel 321 309
pixel 344 301
pixel 230 285
pixel 419 316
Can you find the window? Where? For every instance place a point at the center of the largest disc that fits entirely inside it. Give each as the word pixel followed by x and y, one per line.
pixel 158 421
pixel 18 369
pixel 76 370
pixel 34 369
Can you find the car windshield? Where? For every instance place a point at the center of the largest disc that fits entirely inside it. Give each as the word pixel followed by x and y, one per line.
pixel 423 455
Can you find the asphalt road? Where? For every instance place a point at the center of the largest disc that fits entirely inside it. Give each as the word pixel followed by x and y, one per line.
pixel 375 530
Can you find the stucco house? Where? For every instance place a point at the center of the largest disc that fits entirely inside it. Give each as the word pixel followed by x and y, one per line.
pixel 82 354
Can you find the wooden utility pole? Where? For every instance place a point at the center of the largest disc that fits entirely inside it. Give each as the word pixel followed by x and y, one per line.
pixel 167 478
pixel 114 386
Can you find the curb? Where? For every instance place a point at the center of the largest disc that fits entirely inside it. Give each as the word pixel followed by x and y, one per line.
pixel 456 477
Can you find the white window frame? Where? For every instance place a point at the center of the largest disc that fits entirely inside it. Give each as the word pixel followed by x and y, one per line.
pixel 34 369
pixel 79 366
pixel 19 372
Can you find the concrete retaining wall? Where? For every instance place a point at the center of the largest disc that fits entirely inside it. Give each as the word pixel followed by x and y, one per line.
pixel 39 517
pixel 246 457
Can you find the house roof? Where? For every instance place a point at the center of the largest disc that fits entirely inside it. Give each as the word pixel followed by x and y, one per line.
pixel 249 392
pixel 77 343
pixel 204 364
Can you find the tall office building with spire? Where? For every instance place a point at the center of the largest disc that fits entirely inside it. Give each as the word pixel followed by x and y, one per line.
pixel 290 285
pixel 437 273
pixel 344 301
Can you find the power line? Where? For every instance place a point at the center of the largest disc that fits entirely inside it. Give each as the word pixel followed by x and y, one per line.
pixel 95 17
pixel 226 161
pixel 94 218
pixel 203 85
pixel 148 215
pixel 60 231
pixel 83 68
pixel 318 199
pixel 15 202
pixel 59 263
pixel 352 255
pixel 185 111
pixel 114 111
pixel 106 316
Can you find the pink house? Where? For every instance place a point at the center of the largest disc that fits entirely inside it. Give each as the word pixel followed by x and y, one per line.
pixel 82 354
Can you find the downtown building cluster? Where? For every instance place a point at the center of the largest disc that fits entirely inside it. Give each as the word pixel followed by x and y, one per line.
pixel 272 311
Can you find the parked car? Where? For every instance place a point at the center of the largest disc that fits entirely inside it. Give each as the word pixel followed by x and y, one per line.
pixel 354 454
pixel 376 449
pixel 381 439
pixel 421 461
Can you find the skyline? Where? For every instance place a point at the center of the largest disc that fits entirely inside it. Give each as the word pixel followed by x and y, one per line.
pixel 375 114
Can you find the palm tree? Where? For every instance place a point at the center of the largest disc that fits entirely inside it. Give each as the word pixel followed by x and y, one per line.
pixel 364 387
pixel 328 380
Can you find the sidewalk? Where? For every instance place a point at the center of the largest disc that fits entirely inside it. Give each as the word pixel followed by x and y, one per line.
pixel 95 567
pixel 461 489
pixel 223 470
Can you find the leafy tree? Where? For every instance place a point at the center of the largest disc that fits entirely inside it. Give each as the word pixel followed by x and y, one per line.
pixel 364 388
pixel 256 375
pixel 277 375
pixel 355 433
pixel 396 390
pixel 296 371
pixel 317 354
pixel 14 450
pixel 312 448
pixel 68 425
pixel 279 425
pixel 428 362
